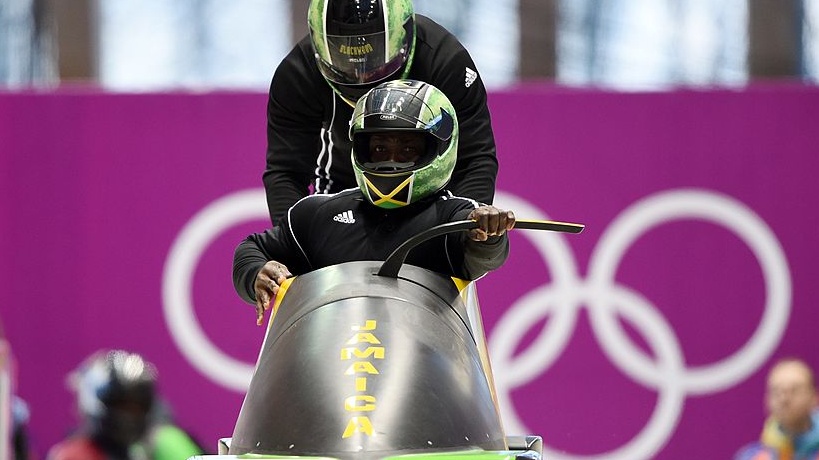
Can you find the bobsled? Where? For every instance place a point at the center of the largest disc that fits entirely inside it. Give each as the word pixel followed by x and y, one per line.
pixel 375 360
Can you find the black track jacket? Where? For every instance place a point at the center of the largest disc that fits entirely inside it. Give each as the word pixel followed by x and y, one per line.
pixel 307 124
pixel 323 230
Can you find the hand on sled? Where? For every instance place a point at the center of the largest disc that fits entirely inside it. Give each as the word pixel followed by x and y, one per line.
pixel 270 277
pixel 491 222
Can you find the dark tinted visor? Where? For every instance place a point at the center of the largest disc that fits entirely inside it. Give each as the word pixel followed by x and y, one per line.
pixel 361 148
pixel 360 59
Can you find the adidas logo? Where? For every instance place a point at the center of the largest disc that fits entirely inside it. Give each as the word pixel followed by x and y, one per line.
pixel 345 217
pixel 471 76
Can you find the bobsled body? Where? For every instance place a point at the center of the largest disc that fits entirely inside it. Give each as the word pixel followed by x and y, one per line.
pixel 372 360
pixel 360 366
pixel 354 363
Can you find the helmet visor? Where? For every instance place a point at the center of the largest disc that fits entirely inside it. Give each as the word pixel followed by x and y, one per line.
pixel 360 59
pixel 368 146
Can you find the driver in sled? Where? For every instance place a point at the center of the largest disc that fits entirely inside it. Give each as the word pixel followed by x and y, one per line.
pixel 405 146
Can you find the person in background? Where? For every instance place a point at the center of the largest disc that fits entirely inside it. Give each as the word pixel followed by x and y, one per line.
pixel 405 146
pixel 353 46
pixel 121 415
pixel 791 431
pixel 19 434
pixel 14 412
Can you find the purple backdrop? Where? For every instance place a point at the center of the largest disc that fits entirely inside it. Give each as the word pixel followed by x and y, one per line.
pixel 646 336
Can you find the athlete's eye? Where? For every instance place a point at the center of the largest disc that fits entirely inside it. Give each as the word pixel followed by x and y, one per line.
pixel 408 153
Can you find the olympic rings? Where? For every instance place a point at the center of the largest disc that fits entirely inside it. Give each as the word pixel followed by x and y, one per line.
pixel 605 300
pixel 180 265
pixel 563 298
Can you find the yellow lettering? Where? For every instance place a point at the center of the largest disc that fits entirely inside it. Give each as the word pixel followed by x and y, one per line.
pixel 363 366
pixel 376 352
pixel 359 367
pixel 358 425
pixel 355 50
pixel 360 403
pixel 363 337
pixel 369 325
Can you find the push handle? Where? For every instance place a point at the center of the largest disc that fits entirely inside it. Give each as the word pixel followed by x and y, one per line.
pixel 392 265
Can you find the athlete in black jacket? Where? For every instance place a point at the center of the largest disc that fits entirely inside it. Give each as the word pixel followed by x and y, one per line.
pixel 405 143
pixel 350 49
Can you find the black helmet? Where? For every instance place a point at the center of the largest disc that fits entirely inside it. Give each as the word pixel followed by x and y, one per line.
pixel 360 43
pixel 115 393
pixel 404 106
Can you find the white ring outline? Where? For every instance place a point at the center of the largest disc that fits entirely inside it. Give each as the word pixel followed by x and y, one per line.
pixel 620 235
pixel 177 277
pixel 570 294
pixel 560 261
pixel 242 206
pixel 734 216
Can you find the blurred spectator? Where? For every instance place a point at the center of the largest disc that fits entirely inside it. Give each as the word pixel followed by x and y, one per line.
pixel 19 429
pixel 14 413
pixel 121 416
pixel 791 431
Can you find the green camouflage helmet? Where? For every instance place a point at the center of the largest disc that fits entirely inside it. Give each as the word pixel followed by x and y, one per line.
pixel 360 44
pixel 404 106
